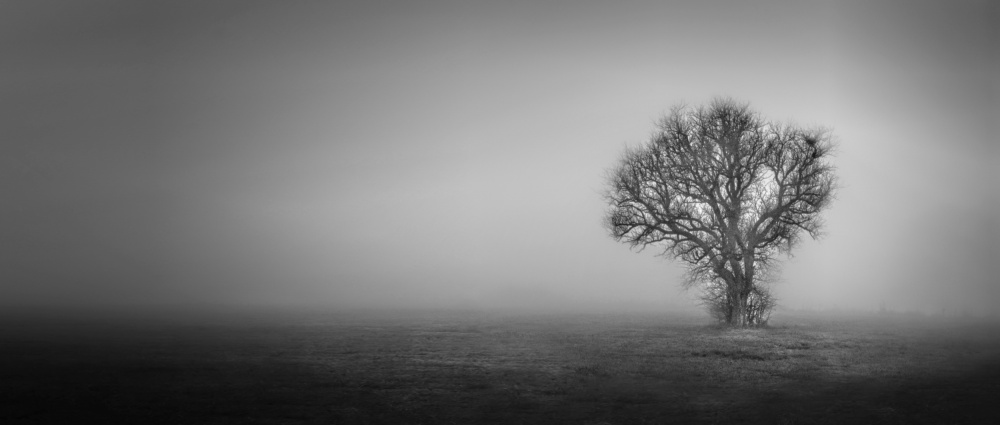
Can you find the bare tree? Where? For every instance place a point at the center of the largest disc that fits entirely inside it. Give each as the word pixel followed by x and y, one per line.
pixel 724 191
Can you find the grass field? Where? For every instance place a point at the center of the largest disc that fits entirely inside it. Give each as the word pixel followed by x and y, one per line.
pixel 451 367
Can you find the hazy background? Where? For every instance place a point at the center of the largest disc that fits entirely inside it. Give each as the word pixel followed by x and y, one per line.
pixel 452 153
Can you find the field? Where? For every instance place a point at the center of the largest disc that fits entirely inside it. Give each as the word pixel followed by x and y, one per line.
pixel 465 367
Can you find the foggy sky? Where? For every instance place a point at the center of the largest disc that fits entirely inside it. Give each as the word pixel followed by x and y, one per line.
pixel 452 153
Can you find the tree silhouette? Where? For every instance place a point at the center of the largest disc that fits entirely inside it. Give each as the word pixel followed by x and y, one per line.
pixel 724 191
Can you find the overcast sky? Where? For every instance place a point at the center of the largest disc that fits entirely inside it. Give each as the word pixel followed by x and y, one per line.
pixel 453 153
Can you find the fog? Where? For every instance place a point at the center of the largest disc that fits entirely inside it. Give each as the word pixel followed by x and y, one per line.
pixel 453 153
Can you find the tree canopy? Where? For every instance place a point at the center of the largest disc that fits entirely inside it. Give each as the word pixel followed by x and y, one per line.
pixel 724 191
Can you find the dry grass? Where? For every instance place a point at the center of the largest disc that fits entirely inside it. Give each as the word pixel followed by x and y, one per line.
pixel 454 367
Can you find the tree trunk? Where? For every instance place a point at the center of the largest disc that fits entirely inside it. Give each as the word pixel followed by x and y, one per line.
pixel 736 303
pixel 751 311
pixel 738 308
pixel 740 313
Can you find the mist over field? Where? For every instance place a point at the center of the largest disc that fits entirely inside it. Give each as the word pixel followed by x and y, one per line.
pixel 453 154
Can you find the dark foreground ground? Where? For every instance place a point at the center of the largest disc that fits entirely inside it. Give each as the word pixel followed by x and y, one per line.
pixel 497 368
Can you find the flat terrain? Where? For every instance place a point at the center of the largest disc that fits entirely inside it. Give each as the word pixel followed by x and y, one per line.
pixel 442 367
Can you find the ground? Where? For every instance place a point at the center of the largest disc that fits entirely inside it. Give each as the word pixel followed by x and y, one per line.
pixel 469 367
